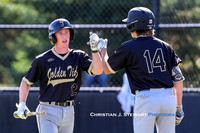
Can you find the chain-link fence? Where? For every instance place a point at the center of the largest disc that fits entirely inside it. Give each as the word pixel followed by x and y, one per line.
pixel 19 46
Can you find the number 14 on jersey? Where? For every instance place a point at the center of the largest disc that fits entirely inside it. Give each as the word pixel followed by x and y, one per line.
pixel 157 61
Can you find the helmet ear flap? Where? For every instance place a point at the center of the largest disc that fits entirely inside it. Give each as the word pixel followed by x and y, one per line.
pixel 52 39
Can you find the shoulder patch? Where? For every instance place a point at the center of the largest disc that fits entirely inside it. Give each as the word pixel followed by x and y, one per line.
pixel 50 59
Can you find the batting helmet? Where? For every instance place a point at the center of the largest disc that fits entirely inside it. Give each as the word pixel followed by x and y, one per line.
pixel 139 18
pixel 58 25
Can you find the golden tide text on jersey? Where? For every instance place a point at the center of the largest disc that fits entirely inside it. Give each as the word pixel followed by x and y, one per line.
pixel 58 73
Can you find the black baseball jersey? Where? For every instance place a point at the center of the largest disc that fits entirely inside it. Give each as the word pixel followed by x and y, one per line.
pixel 59 76
pixel 148 62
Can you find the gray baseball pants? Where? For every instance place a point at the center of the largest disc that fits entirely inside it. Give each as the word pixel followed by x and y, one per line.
pixel 58 119
pixel 159 107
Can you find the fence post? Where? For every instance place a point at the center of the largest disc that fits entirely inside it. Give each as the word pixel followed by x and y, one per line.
pixel 156 12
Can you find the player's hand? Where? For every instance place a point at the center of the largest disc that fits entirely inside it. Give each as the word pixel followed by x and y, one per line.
pixel 22 109
pixel 94 40
pixel 179 114
pixel 102 44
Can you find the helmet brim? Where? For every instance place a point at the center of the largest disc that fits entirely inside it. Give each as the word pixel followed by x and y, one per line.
pixel 66 27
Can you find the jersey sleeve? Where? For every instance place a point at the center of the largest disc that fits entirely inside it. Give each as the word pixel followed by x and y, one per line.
pixel 175 59
pixel 177 75
pixel 86 63
pixel 117 60
pixel 33 73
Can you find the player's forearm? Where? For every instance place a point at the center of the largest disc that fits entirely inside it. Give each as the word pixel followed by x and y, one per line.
pixel 97 68
pixel 178 89
pixel 104 56
pixel 23 91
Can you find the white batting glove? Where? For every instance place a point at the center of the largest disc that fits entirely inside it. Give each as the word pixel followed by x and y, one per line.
pixel 179 114
pixel 22 109
pixel 94 40
pixel 102 44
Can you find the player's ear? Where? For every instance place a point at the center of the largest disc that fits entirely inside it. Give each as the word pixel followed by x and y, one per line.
pixel 134 34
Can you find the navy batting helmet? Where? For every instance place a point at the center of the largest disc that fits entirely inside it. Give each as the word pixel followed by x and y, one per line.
pixel 58 25
pixel 139 18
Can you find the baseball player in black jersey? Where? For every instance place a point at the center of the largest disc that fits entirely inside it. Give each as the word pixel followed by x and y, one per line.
pixel 58 71
pixel 153 73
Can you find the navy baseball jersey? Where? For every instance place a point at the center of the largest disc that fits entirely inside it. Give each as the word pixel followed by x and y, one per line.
pixel 59 76
pixel 148 62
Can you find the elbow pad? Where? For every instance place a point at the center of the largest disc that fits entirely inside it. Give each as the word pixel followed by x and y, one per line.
pixel 177 74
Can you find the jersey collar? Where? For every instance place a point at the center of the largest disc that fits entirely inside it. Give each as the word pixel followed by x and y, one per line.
pixel 59 56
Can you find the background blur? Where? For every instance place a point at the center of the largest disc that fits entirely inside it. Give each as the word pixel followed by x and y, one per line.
pixel 20 43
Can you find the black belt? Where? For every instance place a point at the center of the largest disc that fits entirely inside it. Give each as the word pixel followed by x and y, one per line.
pixel 144 90
pixel 63 104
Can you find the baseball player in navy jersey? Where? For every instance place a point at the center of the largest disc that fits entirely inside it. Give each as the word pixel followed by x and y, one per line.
pixel 58 71
pixel 153 73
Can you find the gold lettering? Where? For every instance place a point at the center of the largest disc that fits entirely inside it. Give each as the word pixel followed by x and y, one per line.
pixel 73 73
pixel 58 73
pixel 59 81
pixel 69 68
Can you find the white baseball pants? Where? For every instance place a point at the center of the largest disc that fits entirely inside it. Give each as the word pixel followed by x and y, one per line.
pixel 159 107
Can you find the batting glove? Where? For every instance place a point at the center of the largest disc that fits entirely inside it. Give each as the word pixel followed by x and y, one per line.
pixel 179 114
pixel 22 110
pixel 102 44
pixel 94 40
